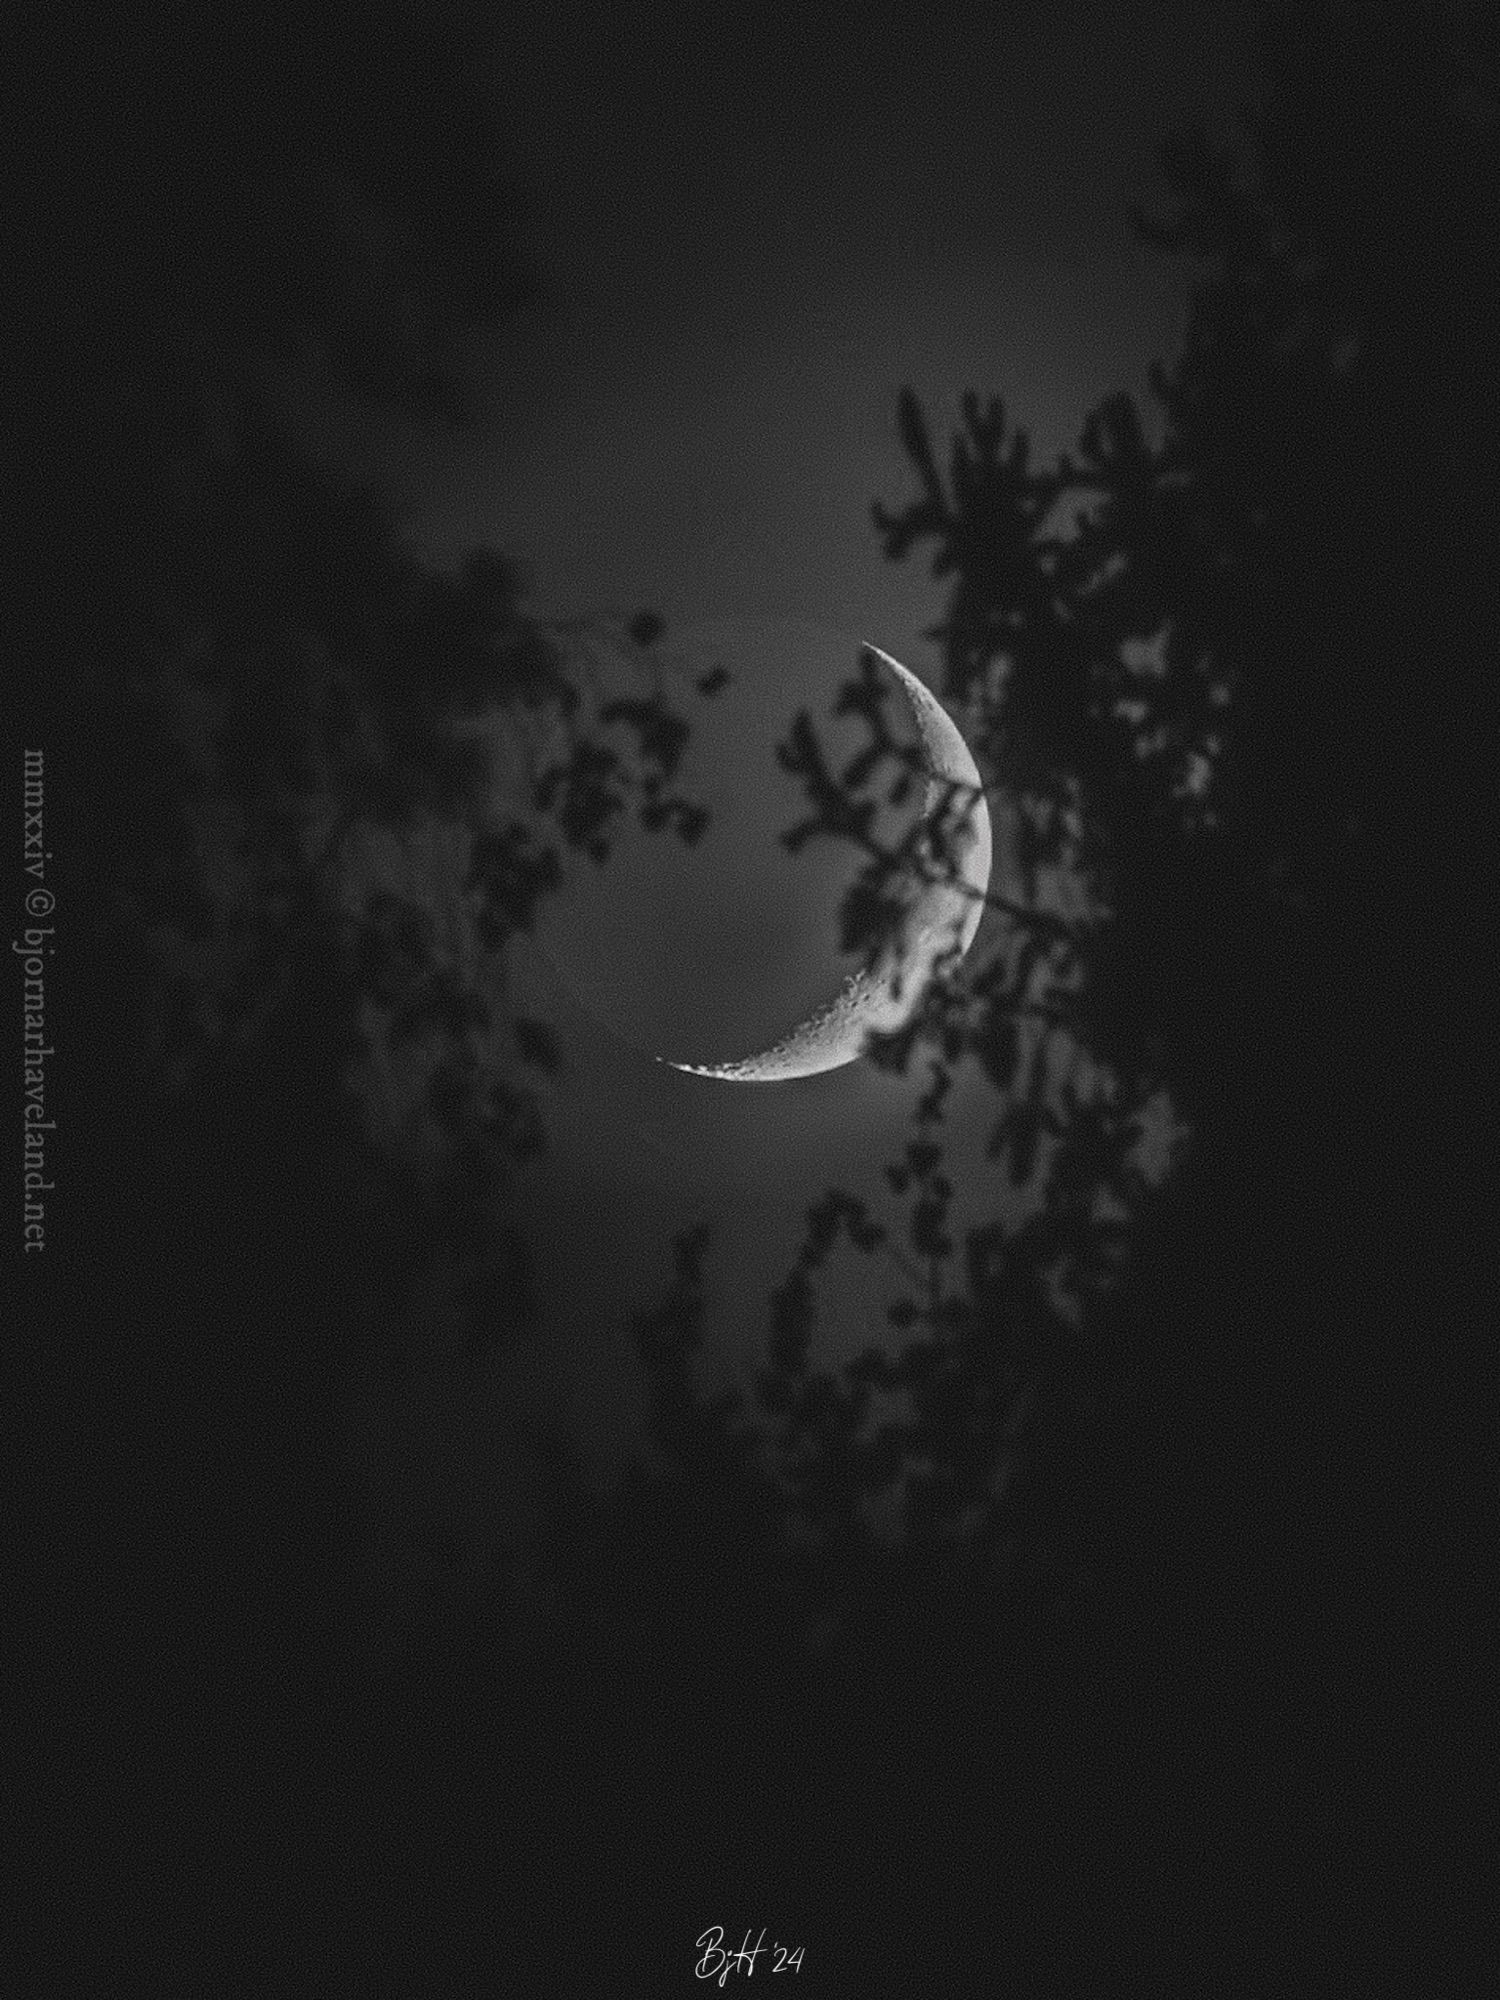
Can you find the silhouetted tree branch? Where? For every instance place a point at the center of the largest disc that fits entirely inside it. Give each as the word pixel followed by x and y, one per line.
pixel 1194 665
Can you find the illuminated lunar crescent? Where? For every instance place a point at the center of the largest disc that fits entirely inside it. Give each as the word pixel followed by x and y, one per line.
pixel 938 915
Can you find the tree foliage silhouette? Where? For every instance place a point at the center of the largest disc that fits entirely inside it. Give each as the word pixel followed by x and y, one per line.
pixel 251 192
pixel 276 676
pixel 1223 663
pixel 278 707
pixel 1226 660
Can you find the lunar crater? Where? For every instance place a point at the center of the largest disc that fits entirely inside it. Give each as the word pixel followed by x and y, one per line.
pixel 939 913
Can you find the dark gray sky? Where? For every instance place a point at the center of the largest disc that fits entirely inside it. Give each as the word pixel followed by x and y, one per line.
pixel 748 237
pixel 750 232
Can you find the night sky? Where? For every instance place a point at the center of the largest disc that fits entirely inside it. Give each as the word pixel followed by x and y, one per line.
pixel 1075 1584
pixel 749 236
pixel 746 243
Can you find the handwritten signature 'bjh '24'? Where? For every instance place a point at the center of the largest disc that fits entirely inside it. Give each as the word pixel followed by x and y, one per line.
pixel 717 1961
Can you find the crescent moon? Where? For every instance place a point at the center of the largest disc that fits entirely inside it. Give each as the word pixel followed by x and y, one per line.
pixel 938 916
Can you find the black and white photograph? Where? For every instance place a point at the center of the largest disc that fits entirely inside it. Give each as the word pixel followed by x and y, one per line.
pixel 751 1131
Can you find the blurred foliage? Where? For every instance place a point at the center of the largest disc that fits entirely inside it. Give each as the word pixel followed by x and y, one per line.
pixel 300 728
pixel 249 189
pixel 317 729
pixel 1224 657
